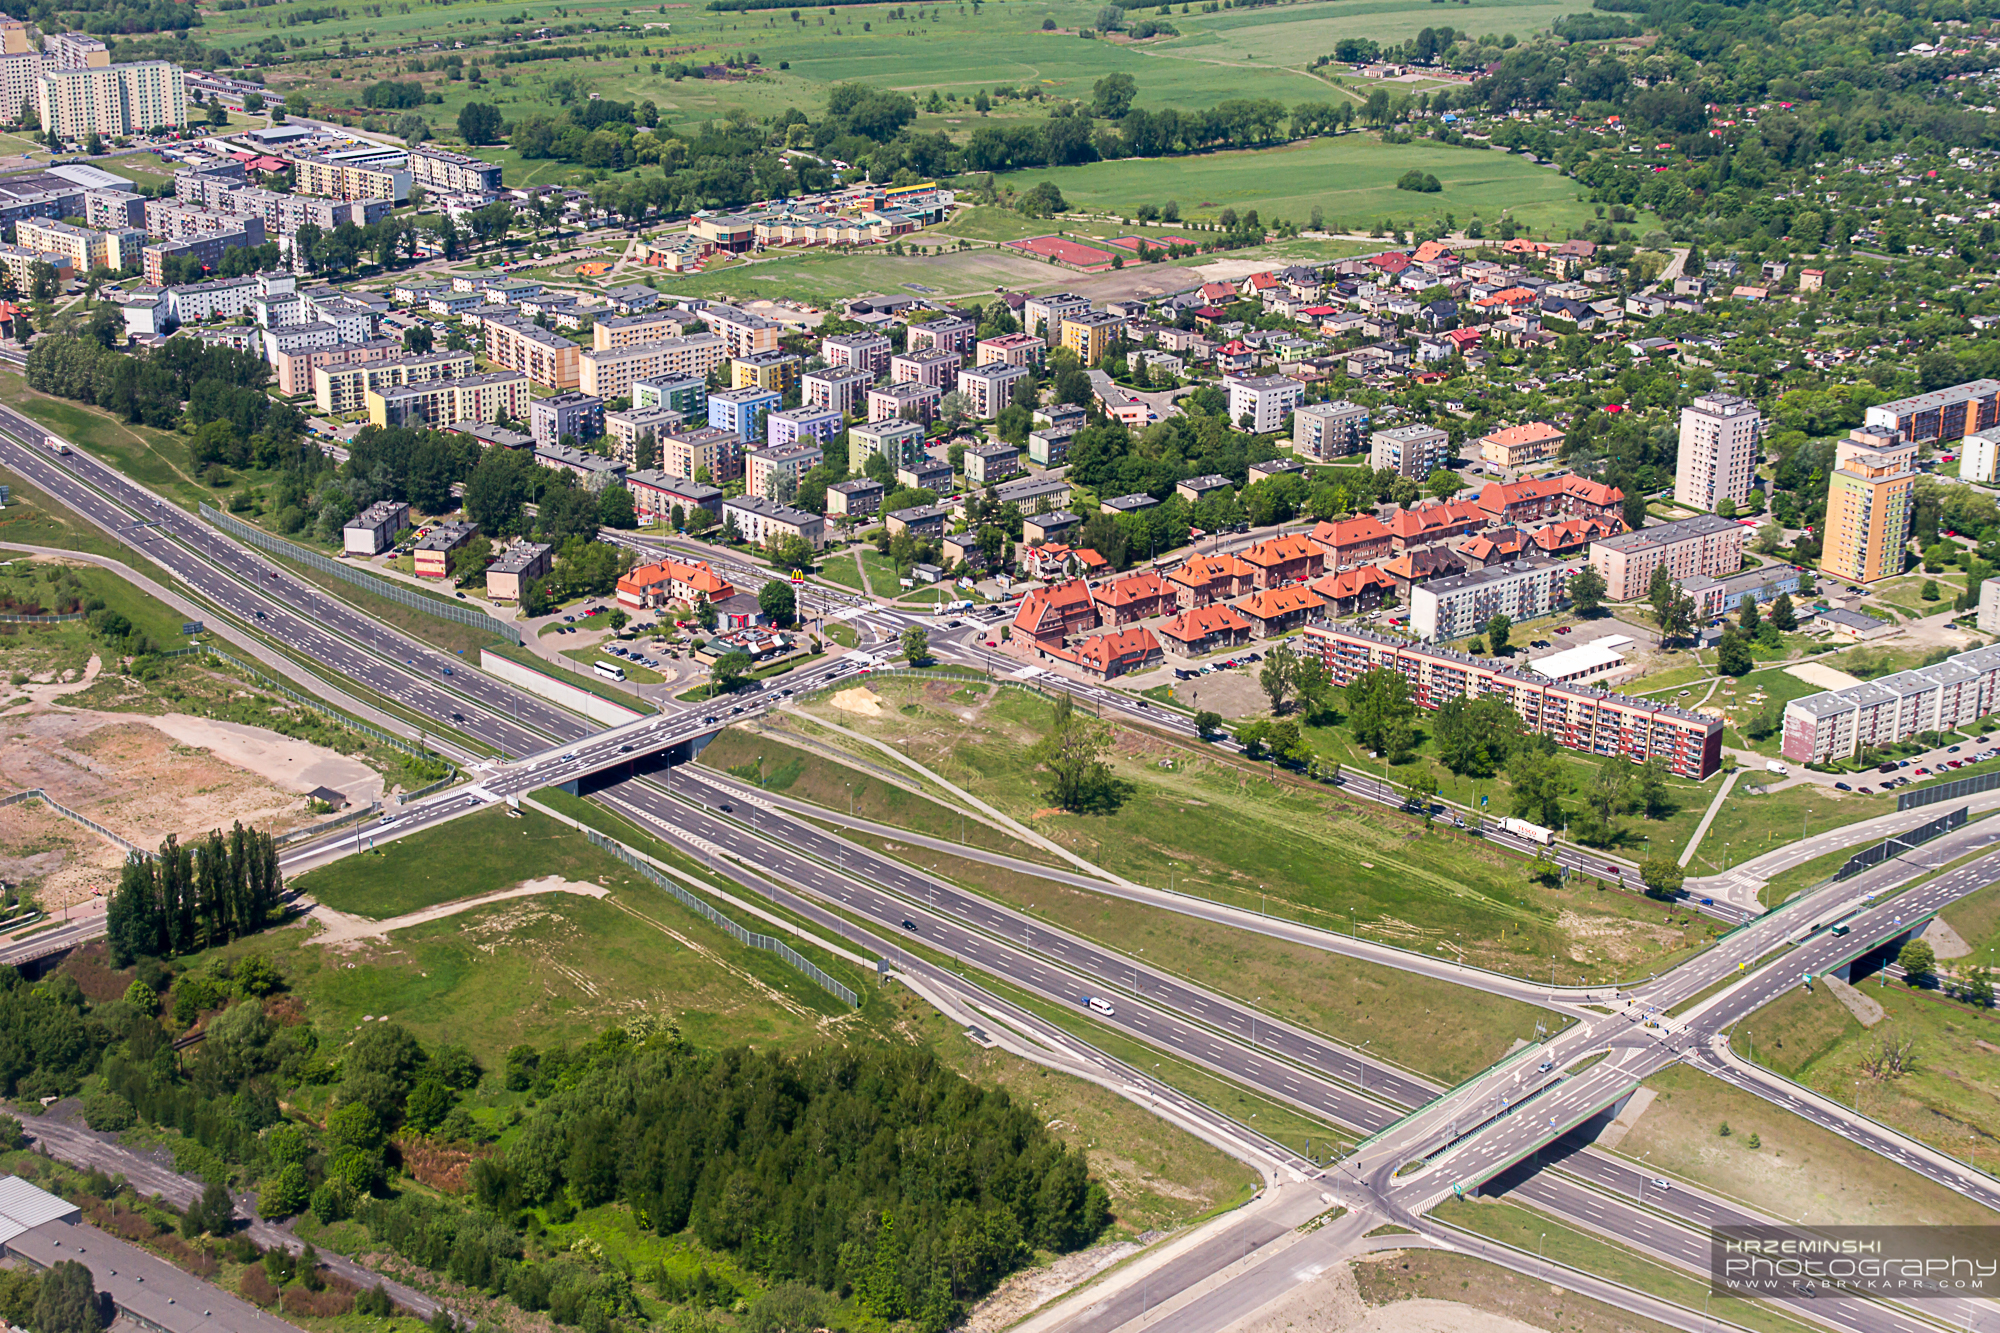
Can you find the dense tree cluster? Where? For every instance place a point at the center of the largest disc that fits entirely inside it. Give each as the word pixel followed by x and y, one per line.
pixel 190 898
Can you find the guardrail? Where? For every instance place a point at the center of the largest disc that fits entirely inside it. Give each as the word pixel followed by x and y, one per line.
pixel 769 943
pixel 395 592
pixel 37 794
pixel 303 834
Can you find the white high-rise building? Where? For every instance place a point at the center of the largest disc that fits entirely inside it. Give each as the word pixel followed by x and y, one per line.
pixel 20 71
pixel 1720 433
pixel 112 99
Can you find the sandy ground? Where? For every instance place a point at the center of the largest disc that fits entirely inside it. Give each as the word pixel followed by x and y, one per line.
pixel 1331 1303
pixel 143 778
pixel 1866 1011
pixel 1819 673
pixel 1944 941
pixel 1025 1292
pixel 860 701
pixel 45 686
pixel 343 929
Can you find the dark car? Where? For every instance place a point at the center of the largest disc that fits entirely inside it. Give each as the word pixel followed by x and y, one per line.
pixel 909 924
pixel 727 808
pixel 1842 786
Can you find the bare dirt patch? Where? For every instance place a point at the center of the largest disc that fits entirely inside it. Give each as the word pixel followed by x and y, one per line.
pixel 144 779
pixel 1025 1292
pixel 1621 938
pixel 861 701
pixel 343 929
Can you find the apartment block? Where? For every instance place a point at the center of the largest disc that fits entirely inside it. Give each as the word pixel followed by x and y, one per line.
pixel 488 397
pixel 1266 399
pixel 1939 417
pixel 614 373
pixel 86 249
pixel 766 522
pixel 549 359
pixel 1871 495
pixel 1413 451
pixel 801 423
pixel 626 429
pixel 910 401
pixel 868 352
pixel 1979 457
pixel 1090 333
pixel 341 177
pixel 1013 349
pixel 776 371
pixel 836 389
pixel 1459 606
pixel 685 395
pixel 1517 446
pixel 1324 431
pixel 900 441
pixel 1576 717
pixel 689 451
pixel 742 411
pixel 579 416
pixel 742 333
pixel 655 496
pixel 1704 546
pixel 340 388
pixel 112 99
pixel 1720 434
pixel 947 333
pixel 295 367
pixel 938 370
pixel 990 387
pixel 776 471
pixel 110 210
pixel 20 70
pixel 519 565
pixel 1040 312
pixel 1948 696
pixel 986 464
pixel 453 173
pixel 647 326
pixel 205 250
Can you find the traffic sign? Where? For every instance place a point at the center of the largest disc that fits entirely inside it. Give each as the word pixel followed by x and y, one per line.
pixel 5 491
pixel 191 627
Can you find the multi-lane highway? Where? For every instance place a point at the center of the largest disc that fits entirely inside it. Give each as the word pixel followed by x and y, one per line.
pixel 853 886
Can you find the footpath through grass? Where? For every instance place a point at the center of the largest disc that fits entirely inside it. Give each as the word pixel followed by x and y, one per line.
pixel 480 853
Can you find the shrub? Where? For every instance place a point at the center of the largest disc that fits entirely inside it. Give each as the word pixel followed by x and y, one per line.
pixel 1420 181
pixel 107 1112
pixel 257 1288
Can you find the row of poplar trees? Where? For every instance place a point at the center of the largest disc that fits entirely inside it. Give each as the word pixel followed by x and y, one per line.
pixel 194 897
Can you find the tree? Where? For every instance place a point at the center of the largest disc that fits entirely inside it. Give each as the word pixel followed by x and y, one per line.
pixel 1651 780
pixel 1498 631
pixel 777 601
pixel 285 1194
pixel 1675 613
pixel 1746 614
pixel 916 645
pixel 729 671
pixel 1072 751
pixel 1930 592
pixel 419 339
pixel 1605 797
pixel 1538 783
pixel 479 123
pixel 1419 792
pixel 1732 656
pixel 614 508
pixel 1586 590
pixel 1663 876
pixel 1474 736
pixel 67 1301
pixel 212 1214
pixel 1919 963
pixel 1207 723
pixel 1379 710
pixel 1278 674
pixel 1783 614
pixel 1443 483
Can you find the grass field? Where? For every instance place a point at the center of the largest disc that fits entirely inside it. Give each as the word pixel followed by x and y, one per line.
pixel 477 854
pixel 1222 828
pixel 1946 1098
pixel 1389 1276
pixel 1353 178
pixel 1795 1168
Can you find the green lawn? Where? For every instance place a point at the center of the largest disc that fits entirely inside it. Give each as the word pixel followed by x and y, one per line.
pixel 840 568
pixel 462 859
pixel 1224 828
pixel 588 658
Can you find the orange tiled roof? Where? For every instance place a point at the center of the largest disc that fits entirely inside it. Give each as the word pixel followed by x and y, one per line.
pixel 1102 650
pixel 1275 602
pixel 1351 583
pixel 1051 604
pixel 1533 432
pixel 694 573
pixel 1201 569
pixel 1145 586
pixel 1281 550
pixel 1350 531
pixel 1496 496
pixel 1572 532
pixel 1430 250
pixel 1434 516
pixel 1204 621
pixel 1212 291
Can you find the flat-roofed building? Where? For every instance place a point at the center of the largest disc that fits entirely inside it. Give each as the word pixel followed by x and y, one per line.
pixel 742 333
pixel 775 471
pixel 909 401
pixel 1876 714
pixel 111 100
pixel 1322 431
pixel 338 176
pixel 1266 399
pixel 791 425
pixel 856 499
pixel 454 173
pixel 899 441
pixel 989 388
pixel 1011 349
pixel 836 390
pixel 656 495
pixel 687 395
pixel 938 370
pixel 1575 717
pixel 1871 495
pixel 1050 310
pixel 613 373
pixel 647 326
pixel 766 522
pixel 628 428
pixel 1090 333
pixel 549 359
pixel 487 397
pixel 519 565
pixel 776 371
pixel 86 249
pixel 577 416
pixel 942 333
pixel 1720 435
pixel 742 411
pixel 1413 451
pixel 692 450
pixel 1459 606
pixel 434 551
pixel 987 464
pixel 342 387
pixel 374 529
pixel 1704 546
pixel 1941 416
pixel 867 352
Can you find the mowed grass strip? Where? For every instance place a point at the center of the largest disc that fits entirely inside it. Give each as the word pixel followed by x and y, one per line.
pixel 478 854
pixel 1795 1169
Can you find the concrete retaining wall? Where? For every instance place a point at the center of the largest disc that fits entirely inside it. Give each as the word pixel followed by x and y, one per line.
pixel 557 691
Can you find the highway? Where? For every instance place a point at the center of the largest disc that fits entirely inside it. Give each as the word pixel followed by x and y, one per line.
pixel 1176 1016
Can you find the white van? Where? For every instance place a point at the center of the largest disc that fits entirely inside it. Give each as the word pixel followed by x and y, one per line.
pixel 1098 1006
